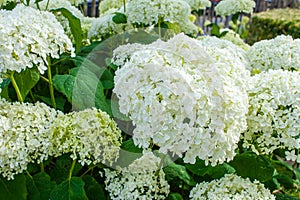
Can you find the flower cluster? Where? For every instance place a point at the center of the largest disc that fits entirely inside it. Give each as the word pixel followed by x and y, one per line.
pixel 24 135
pixel 235 39
pixel 231 187
pixel 281 52
pixel 106 5
pixel 56 4
pixel 89 135
pixel 139 180
pixel 149 12
pixel 182 101
pixel 104 26
pixel 28 41
pixel 198 4
pixel 229 7
pixel 273 118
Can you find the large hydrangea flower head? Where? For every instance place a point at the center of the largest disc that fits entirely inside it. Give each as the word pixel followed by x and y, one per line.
pixel 28 36
pixel 231 187
pixel 106 5
pixel 230 7
pixel 281 52
pixel 274 102
pixel 181 101
pixel 89 135
pixel 104 26
pixel 199 4
pixel 139 180
pixel 149 12
pixel 24 135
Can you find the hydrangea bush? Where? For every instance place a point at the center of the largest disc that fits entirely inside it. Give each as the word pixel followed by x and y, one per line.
pixel 136 105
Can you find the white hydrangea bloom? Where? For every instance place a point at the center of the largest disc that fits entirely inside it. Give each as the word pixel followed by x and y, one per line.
pixel 235 39
pixel 28 36
pixel 229 7
pixel 104 26
pixel 55 4
pixel 138 180
pixel 238 53
pixel 24 135
pixel 199 4
pixel 281 52
pixel 149 12
pixel 182 101
pixel 89 135
pixel 231 187
pixel 106 5
pixel 274 112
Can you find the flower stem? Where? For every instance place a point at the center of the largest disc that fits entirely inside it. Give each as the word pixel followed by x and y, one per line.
pixel 42 167
pixel 162 160
pixel 15 85
pixel 71 170
pixel 124 3
pixel 51 82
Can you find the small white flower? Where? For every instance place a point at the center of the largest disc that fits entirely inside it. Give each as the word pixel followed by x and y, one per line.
pixel 89 135
pixel 281 52
pixel 231 187
pixel 138 181
pixel 229 7
pixel 274 103
pixel 28 36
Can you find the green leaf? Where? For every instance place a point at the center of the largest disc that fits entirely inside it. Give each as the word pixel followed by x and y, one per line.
pixel 39 186
pixel 75 26
pixel 250 165
pixel 119 18
pixel 285 181
pixel 129 145
pixel 26 80
pixel 107 84
pixel 200 169
pixel 13 189
pixel 285 197
pixel 72 189
pixel 60 102
pixel 174 170
pixel 82 88
pixel 174 196
pixel 235 17
pixel 5 83
pixel 93 189
pixel 62 167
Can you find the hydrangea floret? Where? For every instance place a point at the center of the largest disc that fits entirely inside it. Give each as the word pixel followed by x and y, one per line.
pixel 21 49
pixel 139 180
pixel 149 12
pixel 90 136
pixel 273 118
pixel 282 52
pixel 106 5
pixel 198 4
pixel 230 7
pixel 24 135
pixel 182 101
pixel 231 187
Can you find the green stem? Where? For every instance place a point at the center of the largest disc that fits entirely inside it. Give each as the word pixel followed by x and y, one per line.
pixel 89 169
pixel 160 164
pixel 71 170
pixel 42 167
pixel 15 85
pixel 159 29
pixel 51 82
pixel 31 94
